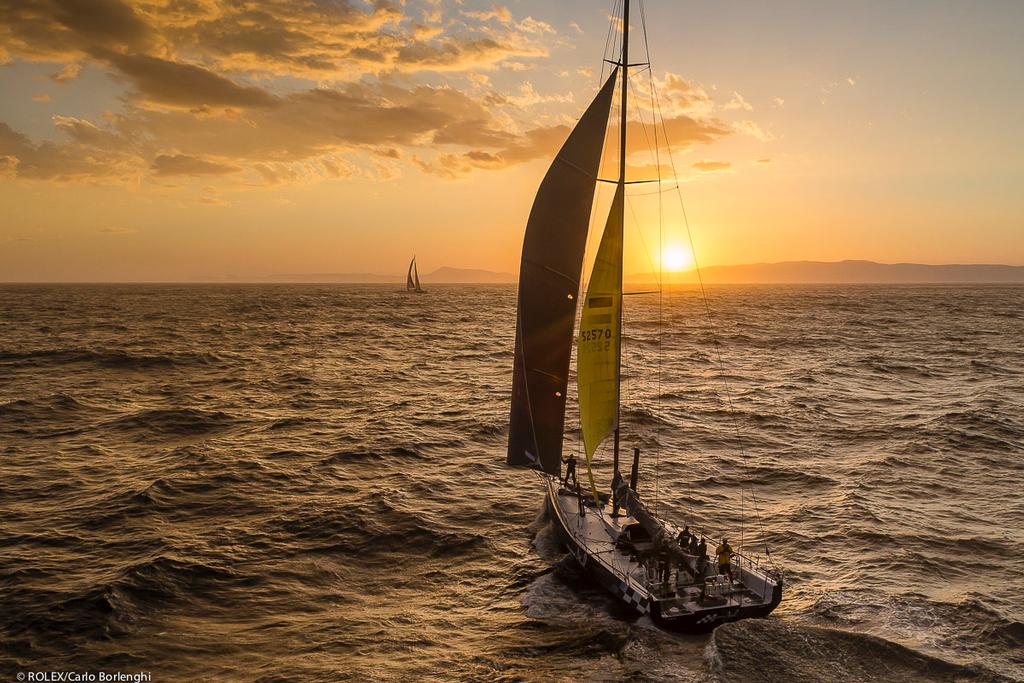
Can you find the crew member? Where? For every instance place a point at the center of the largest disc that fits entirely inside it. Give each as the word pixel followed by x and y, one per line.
pixel 661 550
pixel 724 553
pixel 570 471
pixel 702 556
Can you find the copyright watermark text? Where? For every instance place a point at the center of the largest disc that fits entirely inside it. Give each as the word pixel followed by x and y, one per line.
pixel 85 676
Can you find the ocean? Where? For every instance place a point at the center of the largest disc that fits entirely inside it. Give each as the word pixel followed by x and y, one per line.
pixel 307 482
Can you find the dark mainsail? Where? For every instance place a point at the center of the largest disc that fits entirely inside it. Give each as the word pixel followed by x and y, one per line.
pixel 549 283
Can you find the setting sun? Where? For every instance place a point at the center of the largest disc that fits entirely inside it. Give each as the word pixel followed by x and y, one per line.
pixel 676 258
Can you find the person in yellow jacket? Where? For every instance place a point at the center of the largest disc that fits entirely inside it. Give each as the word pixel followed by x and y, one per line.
pixel 724 553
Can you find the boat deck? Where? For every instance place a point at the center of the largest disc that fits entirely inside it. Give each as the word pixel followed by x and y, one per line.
pixel 688 590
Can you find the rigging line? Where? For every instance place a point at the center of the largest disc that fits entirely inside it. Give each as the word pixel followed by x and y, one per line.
pixel 643 242
pixel 607 40
pixel 661 264
pixel 584 281
pixel 640 117
pixel 653 192
pixel 707 307
pixel 764 534
pixel 616 21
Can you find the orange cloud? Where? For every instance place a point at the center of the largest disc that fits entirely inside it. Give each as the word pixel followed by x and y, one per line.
pixel 180 84
pixel 708 166
pixel 203 97
pixel 182 164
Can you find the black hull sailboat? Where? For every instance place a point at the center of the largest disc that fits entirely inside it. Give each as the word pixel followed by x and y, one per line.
pixel 653 566
pixel 693 599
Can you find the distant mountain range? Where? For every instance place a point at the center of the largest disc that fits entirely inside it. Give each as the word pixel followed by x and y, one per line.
pixel 845 272
pixel 785 272
pixel 467 275
pixel 443 275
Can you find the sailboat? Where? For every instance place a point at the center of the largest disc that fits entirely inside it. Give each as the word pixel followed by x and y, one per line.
pixel 614 535
pixel 412 278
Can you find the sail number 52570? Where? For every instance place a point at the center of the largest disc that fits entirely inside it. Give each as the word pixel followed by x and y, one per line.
pixel 596 339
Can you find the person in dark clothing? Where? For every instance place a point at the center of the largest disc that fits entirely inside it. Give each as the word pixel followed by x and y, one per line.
pixel 570 471
pixel 662 552
pixel 694 545
pixel 683 539
pixel 702 556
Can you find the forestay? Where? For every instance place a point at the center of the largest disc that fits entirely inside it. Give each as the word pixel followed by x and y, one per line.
pixel 597 352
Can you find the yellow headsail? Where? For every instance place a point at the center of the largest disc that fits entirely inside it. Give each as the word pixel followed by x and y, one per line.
pixel 597 351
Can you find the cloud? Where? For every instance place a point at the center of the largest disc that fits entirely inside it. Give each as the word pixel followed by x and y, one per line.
pixel 460 53
pixel 182 164
pixel 737 102
pixel 708 166
pixel 778 102
pixel 313 125
pixel 681 96
pixel 41 98
pixel 284 91
pixel 179 84
pixel 88 134
pixel 103 22
pixel 531 25
pixel 8 165
pixel 752 129
pixel 496 12
pixel 274 174
pixel 341 39
pixel 454 166
pixel 66 161
pixel 117 230
pixel 59 30
pixel 544 141
pixel 68 72
pixel 683 131
pixel 527 96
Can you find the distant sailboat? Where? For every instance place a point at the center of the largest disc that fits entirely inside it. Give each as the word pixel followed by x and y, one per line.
pixel 619 550
pixel 412 279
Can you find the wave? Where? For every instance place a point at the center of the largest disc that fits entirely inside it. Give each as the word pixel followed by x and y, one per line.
pixel 768 476
pixel 992 368
pixel 379 530
pixel 51 416
pixel 395 452
pixel 115 605
pixel 887 366
pixel 50 407
pixel 289 422
pixel 109 358
pixel 173 421
pixel 772 651
pixel 973 626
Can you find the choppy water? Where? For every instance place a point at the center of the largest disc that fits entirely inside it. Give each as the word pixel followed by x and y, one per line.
pixel 307 482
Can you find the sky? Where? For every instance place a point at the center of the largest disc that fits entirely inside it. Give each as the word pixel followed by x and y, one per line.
pixel 169 140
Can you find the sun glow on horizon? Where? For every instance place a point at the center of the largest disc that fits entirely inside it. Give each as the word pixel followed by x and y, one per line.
pixel 676 258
